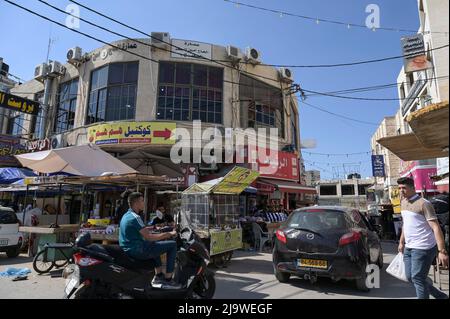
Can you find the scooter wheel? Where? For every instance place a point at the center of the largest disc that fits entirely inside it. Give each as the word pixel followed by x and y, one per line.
pixel 205 286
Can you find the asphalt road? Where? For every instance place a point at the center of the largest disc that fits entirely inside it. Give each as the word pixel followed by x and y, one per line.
pixel 249 276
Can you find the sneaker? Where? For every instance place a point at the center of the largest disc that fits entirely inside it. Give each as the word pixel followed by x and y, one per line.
pixel 171 284
pixel 158 280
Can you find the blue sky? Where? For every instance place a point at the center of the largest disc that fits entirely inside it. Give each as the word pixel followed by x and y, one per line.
pixel 281 40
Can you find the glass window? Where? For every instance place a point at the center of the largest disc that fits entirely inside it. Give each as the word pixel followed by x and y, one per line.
pixel 190 92
pixel 15 126
pixel 113 93
pixel 65 113
pixel 262 104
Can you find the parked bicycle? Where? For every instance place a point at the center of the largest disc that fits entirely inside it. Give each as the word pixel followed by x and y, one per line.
pixel 46 259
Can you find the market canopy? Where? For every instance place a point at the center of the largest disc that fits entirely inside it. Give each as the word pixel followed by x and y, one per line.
pixel 408 148
pixel 431 125
pixel 9 175
pixel 234 183
pixel 86 160
pixel 289 187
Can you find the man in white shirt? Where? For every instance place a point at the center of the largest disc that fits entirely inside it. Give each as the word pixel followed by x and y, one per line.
pixel 420 240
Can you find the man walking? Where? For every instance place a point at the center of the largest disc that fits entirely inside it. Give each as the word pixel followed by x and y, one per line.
pixel 420 240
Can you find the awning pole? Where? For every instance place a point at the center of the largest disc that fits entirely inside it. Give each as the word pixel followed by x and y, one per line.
pixel 145 204
pixel 59 206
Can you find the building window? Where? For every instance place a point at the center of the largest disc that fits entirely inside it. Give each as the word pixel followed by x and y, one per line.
pixel 65 114
pixel 190 92
pixel 37 120
pixel 348 190
pixel 15 125
pixel 261 104
pixel 328 190
pixel 113 93
pixel 362 189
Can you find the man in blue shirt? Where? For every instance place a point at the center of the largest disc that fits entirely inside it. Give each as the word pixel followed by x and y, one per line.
pixel 138 242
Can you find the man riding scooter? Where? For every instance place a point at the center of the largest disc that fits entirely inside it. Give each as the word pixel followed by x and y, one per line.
pixel 138 242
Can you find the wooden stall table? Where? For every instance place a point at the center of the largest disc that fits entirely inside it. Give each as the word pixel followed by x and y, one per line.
pixel 47 234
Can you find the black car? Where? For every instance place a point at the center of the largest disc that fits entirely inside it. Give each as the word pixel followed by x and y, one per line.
pixel 334 242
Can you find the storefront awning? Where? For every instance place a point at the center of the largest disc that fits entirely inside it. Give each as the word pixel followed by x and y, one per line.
pixel 408 148
pixel 289 187
pixel 431 124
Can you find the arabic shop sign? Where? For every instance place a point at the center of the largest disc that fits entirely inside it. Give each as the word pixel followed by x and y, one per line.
pixel 19 104
pixel 39 145
pixel 191 49
pixel 10 146
pixel 155 133
pixel 378 166
pixel 415 57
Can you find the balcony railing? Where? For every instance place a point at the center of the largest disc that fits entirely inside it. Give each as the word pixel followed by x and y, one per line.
pixel 418 85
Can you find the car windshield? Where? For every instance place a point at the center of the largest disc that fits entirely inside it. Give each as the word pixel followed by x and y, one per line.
pixel 317 220
pixel 8 217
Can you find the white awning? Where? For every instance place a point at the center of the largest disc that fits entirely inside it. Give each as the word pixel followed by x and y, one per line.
pixel 86 160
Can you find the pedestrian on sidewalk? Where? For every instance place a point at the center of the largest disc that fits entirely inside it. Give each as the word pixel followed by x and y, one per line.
pixel 421 240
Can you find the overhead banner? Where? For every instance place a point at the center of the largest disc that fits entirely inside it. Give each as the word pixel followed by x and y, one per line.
pixel 415 57
pixel 154 133
pixel 19 104
pixel 378 166
pixel 236 181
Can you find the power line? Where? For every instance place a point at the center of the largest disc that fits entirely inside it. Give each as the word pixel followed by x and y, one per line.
pixel 338 154
pixel 168 43
pixel 339 115
pixel 319 20
pixel 378 87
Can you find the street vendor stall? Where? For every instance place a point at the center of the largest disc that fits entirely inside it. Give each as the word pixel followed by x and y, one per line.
pixel 213 211
pixel 95 219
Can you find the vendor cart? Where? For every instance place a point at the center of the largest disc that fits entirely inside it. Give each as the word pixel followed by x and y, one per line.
pixel 213 211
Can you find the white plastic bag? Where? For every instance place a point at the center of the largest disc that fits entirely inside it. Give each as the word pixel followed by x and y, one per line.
pixel 397 268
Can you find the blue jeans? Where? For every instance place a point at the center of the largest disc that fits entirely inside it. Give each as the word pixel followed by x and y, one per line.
pixel 154 250
pixel 417 266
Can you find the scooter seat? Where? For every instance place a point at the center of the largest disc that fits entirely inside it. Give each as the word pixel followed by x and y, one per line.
pixel 122 259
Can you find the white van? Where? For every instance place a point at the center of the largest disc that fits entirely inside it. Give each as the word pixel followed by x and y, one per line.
pixel 10 238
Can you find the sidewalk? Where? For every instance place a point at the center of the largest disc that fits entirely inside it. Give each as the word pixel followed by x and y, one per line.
pixel 440 281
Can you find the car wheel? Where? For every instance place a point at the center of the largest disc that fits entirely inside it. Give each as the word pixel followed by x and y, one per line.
pixel 282 276
pixel 13 252
pixel 361 282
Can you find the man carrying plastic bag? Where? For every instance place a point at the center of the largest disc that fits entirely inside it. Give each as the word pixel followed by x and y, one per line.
pixel 420 240
pixel 397 268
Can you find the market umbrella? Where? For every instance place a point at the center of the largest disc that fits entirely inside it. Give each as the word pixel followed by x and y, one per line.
pixel 151 164
pixel 9 175
pixel 85 160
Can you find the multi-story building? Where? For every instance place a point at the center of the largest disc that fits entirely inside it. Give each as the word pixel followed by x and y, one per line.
pixel 312 177
pixel 421 89
pixel 392 163
pixel 129 97
pixel 347 192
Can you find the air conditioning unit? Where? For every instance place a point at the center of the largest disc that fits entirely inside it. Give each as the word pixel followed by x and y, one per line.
pixel 286 75
pixel 234 53
pixel 57 141
pixel 160 39
pixel 40 71
pixel 74 55
pixel 56 69
pixel 252 55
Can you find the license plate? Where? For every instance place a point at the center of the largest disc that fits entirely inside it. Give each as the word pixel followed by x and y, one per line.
pixel 72 282
pixel 3 242
pixel 313 263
